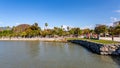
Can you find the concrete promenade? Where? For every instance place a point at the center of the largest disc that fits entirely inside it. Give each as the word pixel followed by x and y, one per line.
pixel 109 38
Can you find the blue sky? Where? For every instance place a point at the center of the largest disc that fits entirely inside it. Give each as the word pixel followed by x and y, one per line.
pixel 75 13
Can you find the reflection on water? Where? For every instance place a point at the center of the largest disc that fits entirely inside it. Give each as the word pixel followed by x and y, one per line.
pixel 35 54
pixel 33 48
pixel 116 59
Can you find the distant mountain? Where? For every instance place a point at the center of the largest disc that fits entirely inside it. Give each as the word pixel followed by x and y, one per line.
pixel 5 28
pixel 21 28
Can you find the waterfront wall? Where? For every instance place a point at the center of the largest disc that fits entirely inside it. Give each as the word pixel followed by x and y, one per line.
pixel 102 49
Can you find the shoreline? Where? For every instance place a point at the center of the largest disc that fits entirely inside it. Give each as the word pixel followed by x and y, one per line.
pixel 35 39
pixel 59 39
pixel 101 49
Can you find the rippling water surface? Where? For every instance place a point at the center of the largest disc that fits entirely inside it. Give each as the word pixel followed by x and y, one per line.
pixel 36 54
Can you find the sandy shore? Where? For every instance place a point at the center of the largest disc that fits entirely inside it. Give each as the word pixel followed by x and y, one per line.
pixel 39 39
pixel 53 39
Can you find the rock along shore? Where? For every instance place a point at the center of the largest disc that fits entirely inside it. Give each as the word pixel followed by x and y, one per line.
pixel 102 49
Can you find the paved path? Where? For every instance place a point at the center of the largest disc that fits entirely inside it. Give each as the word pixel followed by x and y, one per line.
pixel 109 38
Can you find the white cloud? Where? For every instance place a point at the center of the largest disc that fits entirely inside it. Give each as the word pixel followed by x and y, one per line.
pixel 90 27
pixel 118 11
pixel 52 27
pixel 65 26
pixel 113 19
pixel 17 23
pixel 109 24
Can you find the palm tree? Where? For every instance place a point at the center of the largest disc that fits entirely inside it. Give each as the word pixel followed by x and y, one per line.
pixel 111 31
pixel 35 24
pixel 8 27
pixel 68 28
pixel 61 26
pixel 46 25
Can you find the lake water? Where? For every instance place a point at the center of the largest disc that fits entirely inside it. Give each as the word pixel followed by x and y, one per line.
pixel 36 54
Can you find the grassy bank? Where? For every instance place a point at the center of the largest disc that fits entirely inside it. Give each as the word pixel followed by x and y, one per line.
pixel 96 41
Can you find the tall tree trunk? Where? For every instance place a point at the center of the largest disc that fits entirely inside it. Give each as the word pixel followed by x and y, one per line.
pixel 105 34
pixel 112 37
pixel 98 36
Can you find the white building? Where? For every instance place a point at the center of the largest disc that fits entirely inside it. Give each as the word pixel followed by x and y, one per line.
pixel 116 23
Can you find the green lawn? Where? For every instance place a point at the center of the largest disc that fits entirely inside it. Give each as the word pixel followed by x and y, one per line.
pixel 96 41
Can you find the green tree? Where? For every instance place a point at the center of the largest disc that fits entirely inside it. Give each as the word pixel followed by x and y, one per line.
pixel 23 34
pixel 71 31
pixel 68 28
pixel 75 31
pixel 35 27
pixel 117 30
pixel 86 31
pixel 100 29
pixel 35 24
pixel 111 32
pixel 8 27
